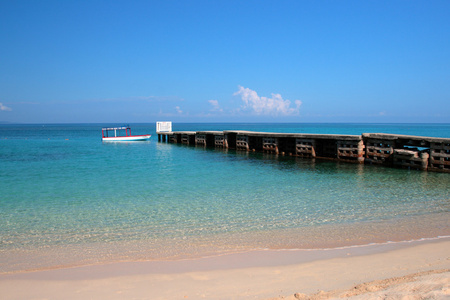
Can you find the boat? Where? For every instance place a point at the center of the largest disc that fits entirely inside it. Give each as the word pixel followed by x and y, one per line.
pixel 122 134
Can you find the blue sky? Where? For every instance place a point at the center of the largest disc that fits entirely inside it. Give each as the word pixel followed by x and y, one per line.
pixel 224 61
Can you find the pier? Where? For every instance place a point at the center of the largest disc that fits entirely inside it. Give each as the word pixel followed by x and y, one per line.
pixel 391 150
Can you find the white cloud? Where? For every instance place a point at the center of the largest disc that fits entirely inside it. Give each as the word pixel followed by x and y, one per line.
pixel 215 105
pixel 178 109
pixel 275 105
pixel 4 108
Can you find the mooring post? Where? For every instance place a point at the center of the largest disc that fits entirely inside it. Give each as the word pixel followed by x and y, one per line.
pixel 424 156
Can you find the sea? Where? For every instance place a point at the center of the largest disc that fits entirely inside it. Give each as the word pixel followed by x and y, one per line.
pixel 68 199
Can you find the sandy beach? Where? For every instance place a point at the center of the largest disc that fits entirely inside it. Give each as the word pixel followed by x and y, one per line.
pixel 415 270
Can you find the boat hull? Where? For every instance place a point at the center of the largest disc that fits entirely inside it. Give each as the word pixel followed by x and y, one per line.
pixel 131 138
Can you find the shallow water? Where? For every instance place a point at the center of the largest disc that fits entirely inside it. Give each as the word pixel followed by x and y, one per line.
pixel 68 199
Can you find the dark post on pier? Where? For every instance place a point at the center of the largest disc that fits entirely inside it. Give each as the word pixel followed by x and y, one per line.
pixel 402 151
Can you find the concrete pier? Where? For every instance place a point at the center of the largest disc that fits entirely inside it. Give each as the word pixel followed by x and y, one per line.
pixel 401 151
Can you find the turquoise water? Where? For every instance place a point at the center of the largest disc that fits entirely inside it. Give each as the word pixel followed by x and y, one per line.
pixel 69 199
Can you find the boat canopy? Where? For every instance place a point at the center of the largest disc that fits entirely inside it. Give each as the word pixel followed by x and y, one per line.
pixel 116 130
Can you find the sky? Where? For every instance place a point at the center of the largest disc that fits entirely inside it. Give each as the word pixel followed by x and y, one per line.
pixel 224 61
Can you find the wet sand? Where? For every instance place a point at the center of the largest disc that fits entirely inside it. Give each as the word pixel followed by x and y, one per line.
pixel 394 269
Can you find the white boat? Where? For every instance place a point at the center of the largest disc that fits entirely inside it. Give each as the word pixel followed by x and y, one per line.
pixel 122 134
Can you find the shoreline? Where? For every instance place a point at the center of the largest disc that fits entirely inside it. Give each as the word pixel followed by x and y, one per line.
pixel 262 257
pixel 260 274
pixel 327 237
